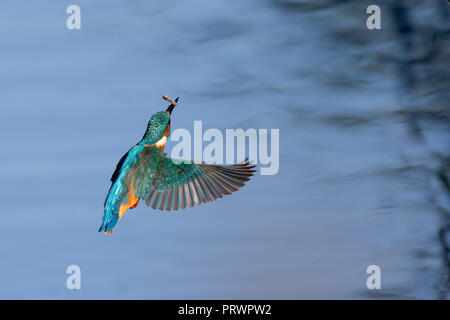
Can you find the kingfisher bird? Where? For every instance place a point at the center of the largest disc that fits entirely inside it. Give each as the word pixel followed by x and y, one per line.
pixel 146 173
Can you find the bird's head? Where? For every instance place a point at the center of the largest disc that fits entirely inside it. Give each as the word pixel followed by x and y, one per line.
pixel 159 124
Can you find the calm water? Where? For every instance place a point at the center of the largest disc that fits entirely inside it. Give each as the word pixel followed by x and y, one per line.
pixel 363 137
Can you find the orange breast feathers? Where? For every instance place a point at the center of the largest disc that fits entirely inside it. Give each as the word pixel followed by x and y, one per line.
pixel 132 202
pixel 162 142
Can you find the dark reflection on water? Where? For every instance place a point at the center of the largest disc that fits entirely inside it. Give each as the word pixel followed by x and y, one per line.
pixel 425 75
pixel 364 164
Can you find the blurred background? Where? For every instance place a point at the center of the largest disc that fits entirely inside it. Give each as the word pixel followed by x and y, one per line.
pixel 364 147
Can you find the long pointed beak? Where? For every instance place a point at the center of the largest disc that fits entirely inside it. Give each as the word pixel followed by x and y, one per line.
pixel 173 103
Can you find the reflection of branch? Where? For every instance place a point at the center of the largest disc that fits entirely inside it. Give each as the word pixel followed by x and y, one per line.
pixel 446 258
pixel 431 57
pixel 433 47
pixel 442 176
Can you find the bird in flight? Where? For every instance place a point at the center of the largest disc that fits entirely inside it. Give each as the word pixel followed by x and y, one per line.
pixel 146 173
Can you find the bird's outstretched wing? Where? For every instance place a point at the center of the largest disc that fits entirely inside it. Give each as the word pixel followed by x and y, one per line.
pixel 168 184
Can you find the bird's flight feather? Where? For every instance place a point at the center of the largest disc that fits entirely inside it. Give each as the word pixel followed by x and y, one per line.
pixel 168 184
